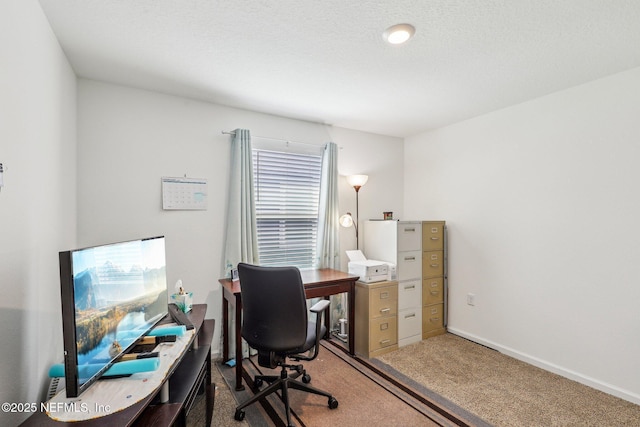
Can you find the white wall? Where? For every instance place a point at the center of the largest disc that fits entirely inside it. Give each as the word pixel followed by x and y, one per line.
pixel 129 138
pixel 542 206
pixel 38 201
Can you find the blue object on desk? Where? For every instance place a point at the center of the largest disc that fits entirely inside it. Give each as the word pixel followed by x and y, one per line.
pixel 128 367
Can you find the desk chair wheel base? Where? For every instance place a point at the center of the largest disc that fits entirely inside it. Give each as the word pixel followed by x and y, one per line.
pixel 240 414
pixel 333 403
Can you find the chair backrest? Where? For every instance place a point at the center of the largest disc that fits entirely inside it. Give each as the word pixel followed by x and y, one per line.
pixel 274 308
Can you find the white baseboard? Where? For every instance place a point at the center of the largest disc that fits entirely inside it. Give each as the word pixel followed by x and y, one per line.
pixel 575 376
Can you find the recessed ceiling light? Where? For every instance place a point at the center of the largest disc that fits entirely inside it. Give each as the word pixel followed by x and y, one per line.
pixel 398 34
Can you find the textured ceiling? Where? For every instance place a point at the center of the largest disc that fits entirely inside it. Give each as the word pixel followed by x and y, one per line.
pixel 325 61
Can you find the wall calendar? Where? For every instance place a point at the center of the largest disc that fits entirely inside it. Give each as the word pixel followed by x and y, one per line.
pixel 184 193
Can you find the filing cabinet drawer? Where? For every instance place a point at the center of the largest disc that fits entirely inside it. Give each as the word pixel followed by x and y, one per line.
pixel 409 236
pixel 432 290
pixel 383 332
pixel 409 294
pixel 432 318
pixel 383 301
pixel 409 323
pixel 409 265
pixel 433 264
pixel 432 235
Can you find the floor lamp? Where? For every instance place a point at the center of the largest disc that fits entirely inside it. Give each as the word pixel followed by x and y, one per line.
pixel 356 181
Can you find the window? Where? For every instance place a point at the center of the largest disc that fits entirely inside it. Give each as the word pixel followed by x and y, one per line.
pixel 287 189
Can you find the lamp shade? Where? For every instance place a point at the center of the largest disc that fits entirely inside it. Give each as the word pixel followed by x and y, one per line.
pixel 357 180
pixel 346 220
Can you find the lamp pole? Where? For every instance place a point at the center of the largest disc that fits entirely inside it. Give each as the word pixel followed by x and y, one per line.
pixel 357 187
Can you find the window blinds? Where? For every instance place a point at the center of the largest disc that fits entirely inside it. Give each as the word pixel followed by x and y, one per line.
pixel 287 188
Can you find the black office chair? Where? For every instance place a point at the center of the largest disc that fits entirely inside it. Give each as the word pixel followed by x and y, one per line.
pixel 274 311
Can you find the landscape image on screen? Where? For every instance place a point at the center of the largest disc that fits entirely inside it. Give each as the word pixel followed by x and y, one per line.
pixel 120 291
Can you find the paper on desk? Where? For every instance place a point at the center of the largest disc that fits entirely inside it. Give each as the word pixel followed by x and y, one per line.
pixel 356 255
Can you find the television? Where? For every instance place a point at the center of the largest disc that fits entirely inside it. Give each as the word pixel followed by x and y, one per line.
pixel 112 295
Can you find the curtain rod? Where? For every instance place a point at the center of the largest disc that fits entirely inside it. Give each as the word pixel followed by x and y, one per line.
pixel 275 139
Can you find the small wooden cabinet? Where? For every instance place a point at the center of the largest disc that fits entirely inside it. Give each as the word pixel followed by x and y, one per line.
pixel 376 318
pixel 433 278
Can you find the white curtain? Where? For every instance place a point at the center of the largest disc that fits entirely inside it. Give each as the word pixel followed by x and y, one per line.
pixel 241 242
pixel 328 244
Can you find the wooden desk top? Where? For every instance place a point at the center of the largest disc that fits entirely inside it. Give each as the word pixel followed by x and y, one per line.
pixel 310 277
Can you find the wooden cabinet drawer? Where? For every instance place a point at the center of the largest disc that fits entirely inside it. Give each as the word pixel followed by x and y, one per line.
pixel 409 265
pixel 409 294
pixel 383 301
pixel 432 317
pixel 383 332
pixel 432 290
pixel 432 236
pixel 433 264
pixel 409 236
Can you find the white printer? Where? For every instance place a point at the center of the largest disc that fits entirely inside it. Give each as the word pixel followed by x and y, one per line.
pixel 368 270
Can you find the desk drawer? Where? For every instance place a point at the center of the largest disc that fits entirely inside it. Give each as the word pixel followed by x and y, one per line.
pixel 383 301
pixel 383 332
pixel 432 317
pixel 433 264
pixel 432 290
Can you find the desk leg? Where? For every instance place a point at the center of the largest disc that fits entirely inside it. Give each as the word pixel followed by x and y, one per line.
pixel 238 331
pixel 225 329
pixel 351 295
pixel 327 319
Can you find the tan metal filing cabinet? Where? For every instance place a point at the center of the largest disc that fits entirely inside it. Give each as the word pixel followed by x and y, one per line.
pixel 434 278
pixel 376 323
pixel 400 243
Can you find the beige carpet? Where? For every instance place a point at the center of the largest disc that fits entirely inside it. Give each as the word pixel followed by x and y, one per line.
pixel 497 388
pixel 502 390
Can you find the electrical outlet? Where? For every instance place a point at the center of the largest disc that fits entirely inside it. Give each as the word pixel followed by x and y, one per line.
pixel 471 299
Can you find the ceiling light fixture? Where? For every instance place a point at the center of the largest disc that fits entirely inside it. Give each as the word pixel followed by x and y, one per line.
pixel 398 34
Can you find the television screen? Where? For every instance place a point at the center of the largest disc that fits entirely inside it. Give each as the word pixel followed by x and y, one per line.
pixel 111 296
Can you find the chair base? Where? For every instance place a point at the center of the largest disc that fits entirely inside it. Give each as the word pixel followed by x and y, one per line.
pixel 283 383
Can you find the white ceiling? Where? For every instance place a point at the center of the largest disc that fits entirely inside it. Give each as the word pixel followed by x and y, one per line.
pixel 325 61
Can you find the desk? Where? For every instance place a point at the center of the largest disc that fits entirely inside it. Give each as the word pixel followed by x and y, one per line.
pixel 188 375
pixel 317 283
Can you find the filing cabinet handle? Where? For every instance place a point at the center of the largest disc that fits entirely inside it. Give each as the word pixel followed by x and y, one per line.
pixel 434 292
pixel 385 342
pixel 410 315
pixel 410 230
pixel 385 310
pixel 434 319
pixel 410 287
pixel 435 265
pixel 435 238
pixel 409 258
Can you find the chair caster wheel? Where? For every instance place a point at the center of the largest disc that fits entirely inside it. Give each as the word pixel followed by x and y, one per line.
pixel 239 416
pixel 306 378
pixel 333 403
pixel 258 382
